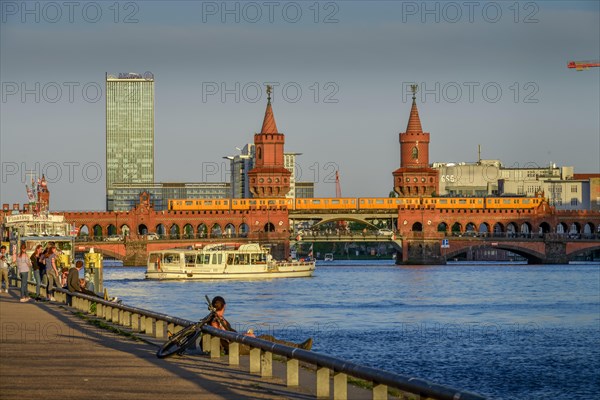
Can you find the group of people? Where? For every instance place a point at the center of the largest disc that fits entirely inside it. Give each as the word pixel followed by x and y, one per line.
pixel 42 262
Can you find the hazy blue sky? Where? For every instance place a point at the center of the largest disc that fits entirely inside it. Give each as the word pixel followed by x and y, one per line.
pixel 351 60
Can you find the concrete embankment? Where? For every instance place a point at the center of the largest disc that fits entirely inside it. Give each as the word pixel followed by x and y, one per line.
pixel 47 350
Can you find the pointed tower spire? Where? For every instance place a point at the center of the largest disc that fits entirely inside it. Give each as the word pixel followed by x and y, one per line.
pixel 414 122
pixel 269 125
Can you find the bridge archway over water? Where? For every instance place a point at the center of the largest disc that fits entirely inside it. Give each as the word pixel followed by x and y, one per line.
pixel 533 257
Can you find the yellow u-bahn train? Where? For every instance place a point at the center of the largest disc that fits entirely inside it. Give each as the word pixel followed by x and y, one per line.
pixel 355 203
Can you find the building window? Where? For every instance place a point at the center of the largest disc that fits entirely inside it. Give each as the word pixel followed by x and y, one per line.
pixel 415 153
pixel 574 202
pixel 573 188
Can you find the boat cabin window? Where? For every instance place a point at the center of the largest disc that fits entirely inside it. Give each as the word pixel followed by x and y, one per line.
pixel 190 259
pixel 214 259
pixel 203 259
pixel 171 258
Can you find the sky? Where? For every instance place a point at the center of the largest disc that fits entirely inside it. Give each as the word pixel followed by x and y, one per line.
pixel 489 73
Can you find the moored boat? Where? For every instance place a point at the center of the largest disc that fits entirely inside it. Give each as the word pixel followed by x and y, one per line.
pixel 223 261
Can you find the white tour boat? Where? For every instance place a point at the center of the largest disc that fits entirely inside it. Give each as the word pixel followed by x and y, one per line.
pixel 223 261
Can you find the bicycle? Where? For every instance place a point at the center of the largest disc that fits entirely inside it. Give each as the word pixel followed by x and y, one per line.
pixel 178 343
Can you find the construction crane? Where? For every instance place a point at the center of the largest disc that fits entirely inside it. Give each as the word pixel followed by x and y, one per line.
pixel 581 65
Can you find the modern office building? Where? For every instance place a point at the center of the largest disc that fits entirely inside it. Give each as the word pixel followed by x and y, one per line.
pixel 129 130
pixel 125 196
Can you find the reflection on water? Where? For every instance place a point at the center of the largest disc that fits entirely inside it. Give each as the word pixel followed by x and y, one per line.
pixel 502 330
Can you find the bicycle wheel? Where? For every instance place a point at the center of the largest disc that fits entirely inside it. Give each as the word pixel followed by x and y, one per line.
pixel 179 342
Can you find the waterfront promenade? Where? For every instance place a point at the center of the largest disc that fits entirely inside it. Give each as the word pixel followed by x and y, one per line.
pixel 47 348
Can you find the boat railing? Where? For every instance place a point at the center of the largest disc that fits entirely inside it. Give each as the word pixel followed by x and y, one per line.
pixel 158 325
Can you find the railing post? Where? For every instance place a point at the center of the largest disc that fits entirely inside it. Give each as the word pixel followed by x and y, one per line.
pixel 266 367
pixel 126 318
pixel 108 313
pixel 292 372
pixel 322 382
pixel 115 315
pixel 149 326
pixel 161 329
pixel 255 361
pixel 380 392
pixel 135 322
pixel 99 310
pixel 234 353
pixel 206 339
pixel 215 347
pixel 340 386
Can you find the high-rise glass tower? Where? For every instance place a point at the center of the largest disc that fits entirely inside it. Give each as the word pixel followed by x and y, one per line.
pixel 129 130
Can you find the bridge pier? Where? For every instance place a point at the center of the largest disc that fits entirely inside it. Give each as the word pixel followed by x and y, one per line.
pixel 556 252
pixel 421 251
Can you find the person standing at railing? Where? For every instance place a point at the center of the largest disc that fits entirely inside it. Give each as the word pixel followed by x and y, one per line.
pixel 35 264
pixel 3 269
pixel 51 272
pixel 23 266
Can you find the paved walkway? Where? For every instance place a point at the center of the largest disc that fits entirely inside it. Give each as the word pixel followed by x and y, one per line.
pixel 47 351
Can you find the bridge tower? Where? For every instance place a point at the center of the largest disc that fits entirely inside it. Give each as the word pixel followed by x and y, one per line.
pixel 269 177
pixel 415 177
pixel 43 195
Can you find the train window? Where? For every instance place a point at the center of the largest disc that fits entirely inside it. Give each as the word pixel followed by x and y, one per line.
pixel 443 201
pixel 189 203
pixel 316 201
pixel 345 201
pixel 378 201
pixel 526 201
pixel 335 201
pixel 252 202
pixel 462 201
pixel 362 201
pixel 506 201
pixel 208 202
pixel 352 201
pixel 479 201
pixel 270 202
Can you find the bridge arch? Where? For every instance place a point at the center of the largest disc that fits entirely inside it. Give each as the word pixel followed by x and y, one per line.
pixel 83 231
pixel 98 231
pixel 442 227
pixel 456 227
pixel 561 227
pixel 111 230
pixel 188 231
pixel 533 257
pixel 470 227
pixel 417 227
pixel 269 227
pixel 243 229
pixel 588 230
pixel 511 229
pixel 580 252
pixel 174 232
pixel 161 230
pixel 215 231
pixel 544 228
pixel 346 218
pixel 202 230
pixel 230 230
pixel 575 228
pixel 526 229
pixel 498 229
pixel 484 228
pixel 125 230
pixel 142 229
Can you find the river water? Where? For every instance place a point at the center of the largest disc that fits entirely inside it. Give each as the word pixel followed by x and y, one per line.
pixel 505 331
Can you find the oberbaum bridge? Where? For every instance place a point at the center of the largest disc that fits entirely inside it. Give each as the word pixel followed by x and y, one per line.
pixel 423 234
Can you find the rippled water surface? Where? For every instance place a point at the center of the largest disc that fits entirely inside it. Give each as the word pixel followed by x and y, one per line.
pixel 506 331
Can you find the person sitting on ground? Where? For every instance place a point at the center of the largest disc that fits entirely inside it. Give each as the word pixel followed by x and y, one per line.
pixel 218 321
pixel 74 283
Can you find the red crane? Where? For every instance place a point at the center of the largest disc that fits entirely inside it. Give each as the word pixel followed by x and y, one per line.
pixel 581 65
pixel 338 187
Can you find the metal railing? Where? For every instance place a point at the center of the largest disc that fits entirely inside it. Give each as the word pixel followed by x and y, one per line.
pixel 261 352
